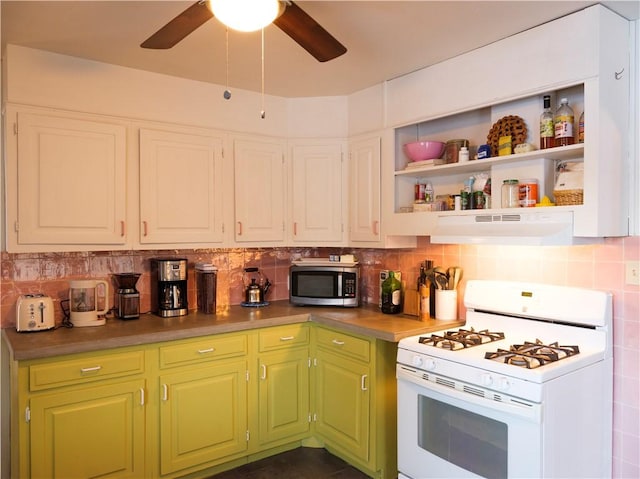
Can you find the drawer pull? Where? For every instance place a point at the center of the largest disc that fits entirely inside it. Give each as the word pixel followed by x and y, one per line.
pixel 264 371
pixel 338 343
pixel 287 338
pixel 363 381
pixel 90 370
pixel 165 392
pixel 205 351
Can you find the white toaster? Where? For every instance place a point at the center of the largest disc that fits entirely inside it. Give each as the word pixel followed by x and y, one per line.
pixel 34 313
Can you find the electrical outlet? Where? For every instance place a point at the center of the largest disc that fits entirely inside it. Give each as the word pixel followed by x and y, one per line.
pixel 632 272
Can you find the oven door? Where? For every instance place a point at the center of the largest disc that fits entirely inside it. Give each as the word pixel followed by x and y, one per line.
pixel 446 432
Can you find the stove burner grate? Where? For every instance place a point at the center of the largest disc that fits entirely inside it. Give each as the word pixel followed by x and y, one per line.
pixel 532 355
pixel 460 339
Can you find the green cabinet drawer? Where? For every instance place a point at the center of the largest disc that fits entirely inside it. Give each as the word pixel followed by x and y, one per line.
pixel 346 344
pixel 85 369
pixel 201 350
pixel 289 336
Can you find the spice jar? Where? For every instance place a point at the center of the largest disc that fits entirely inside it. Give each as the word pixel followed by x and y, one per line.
pixel 510 194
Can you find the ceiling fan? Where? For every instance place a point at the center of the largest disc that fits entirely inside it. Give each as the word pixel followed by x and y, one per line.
pixel 292 20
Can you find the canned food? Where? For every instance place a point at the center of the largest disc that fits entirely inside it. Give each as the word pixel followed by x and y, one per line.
pixel 478 200
pixel 465 200
pixel 528 193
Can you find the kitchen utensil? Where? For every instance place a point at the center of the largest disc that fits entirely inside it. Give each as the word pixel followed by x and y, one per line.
pixel 83 299
pixel 34 313
pixel 256 286
pixel 424 150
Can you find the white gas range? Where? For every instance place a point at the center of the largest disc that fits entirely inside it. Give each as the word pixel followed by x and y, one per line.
pixel 523 389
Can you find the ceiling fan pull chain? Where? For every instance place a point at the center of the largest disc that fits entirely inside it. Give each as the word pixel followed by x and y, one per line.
pixel 262 114
pixel 227 93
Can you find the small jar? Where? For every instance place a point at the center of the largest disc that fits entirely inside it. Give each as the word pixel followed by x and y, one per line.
pixel 463 154
pixel 528 196
pixel 510 194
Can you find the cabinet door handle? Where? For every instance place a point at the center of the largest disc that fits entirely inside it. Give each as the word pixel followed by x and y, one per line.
pixel 363 381
pixel 144 228
pixel 141 396
pixel 286 338
pixel 264 371
pixel 338 343
pixel 205 351
pixel 375 227
pixel 295 228
pixel 90 370
pixel 122 229
pixel 165 392
pixel 239 228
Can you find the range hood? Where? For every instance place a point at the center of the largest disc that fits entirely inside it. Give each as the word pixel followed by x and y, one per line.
pixel 535 226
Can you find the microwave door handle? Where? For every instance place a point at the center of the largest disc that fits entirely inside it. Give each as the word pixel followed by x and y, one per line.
pixel 339 285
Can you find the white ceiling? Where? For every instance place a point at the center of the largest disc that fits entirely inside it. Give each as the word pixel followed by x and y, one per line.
pixel 384 39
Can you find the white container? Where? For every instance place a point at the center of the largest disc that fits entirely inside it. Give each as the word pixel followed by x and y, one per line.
pixel 447 304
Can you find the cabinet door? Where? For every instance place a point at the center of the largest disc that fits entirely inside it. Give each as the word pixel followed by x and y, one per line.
pixel 364 191
pixel 317 193
pixel 342 404
pixel 71 176
pixel 181 197
pixel 203 415
pixel 284 395
pixel 259 191
pixel 90 432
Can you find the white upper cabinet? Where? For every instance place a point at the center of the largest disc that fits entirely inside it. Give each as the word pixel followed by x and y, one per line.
pixel 364 190
pixel 259 198
pixel 181 187
pixel 317 189
pixel 596 82
pixel 66 182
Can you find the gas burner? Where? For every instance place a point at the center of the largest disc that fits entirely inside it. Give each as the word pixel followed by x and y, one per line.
pixel 463 338
pixel 532 355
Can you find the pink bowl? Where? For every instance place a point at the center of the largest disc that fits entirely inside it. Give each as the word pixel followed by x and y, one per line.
pixel 424 150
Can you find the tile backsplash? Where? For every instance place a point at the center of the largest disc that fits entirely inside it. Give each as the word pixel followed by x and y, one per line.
pixel 599 266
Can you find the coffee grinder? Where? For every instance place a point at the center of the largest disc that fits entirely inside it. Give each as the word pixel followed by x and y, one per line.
pixel 169 287
pixel 127 298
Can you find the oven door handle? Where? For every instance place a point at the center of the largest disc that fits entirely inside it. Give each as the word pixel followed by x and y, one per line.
pixel 503 402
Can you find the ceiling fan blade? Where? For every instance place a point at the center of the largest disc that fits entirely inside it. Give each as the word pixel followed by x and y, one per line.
pixel 178 28
pixel 308 33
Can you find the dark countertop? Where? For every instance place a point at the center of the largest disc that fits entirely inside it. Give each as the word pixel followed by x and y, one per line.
pixel 149 328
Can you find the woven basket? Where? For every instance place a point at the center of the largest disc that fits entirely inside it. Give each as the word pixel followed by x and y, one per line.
pixel 568 197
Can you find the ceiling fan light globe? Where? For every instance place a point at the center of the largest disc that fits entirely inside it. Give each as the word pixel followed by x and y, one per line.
pixel 245 15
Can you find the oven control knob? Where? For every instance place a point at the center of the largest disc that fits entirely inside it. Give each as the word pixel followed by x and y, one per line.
pixel 430 364
pixel 417 361
pixel 503 383
pixel 487 379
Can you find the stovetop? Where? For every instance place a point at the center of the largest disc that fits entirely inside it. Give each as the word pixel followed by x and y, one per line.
pixel 526 331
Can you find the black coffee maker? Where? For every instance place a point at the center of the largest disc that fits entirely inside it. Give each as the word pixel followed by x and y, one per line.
pixel 169 287
pixel 127 297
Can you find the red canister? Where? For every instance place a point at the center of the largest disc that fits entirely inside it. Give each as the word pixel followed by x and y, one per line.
pixel 528 192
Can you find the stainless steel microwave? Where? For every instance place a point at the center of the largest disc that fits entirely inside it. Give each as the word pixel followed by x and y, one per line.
pixel 324 285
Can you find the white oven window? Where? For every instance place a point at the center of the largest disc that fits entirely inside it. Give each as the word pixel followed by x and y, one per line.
pixel 471 441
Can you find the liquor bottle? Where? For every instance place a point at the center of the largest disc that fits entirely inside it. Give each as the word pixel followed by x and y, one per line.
pixel 563 122
pixel 391 295
pixel 581 128
pixel 547 134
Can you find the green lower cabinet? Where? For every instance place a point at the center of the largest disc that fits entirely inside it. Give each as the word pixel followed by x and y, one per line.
pixel 283 393
pixel 203 415
pixel 342 404
pixel 89 432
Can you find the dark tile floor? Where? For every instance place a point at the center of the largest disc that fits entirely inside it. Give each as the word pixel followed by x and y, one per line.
pixel 301 463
